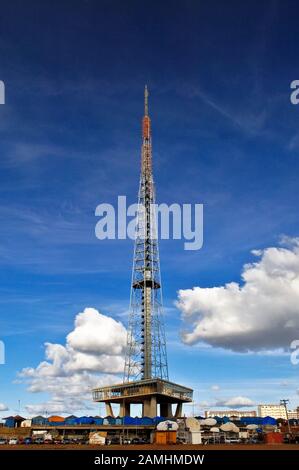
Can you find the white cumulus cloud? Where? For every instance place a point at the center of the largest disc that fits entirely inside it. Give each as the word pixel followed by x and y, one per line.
pixel 92 356
pixel 215 388
pixel 235 402
pixel 3 407
pixel 261 313
pixel 95 333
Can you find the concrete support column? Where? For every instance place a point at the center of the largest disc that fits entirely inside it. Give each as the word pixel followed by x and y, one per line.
pixel 179 410
pixel 124 409
pixel 166 410
pixel 109 411
pixel 149 407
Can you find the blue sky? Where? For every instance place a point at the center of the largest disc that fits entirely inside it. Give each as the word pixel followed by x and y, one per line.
pixel 224 134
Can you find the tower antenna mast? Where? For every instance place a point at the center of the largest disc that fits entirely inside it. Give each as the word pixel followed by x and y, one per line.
pixel 145 379
pixel 146 346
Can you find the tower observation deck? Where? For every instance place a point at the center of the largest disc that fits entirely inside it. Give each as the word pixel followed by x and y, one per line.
pixel 146 369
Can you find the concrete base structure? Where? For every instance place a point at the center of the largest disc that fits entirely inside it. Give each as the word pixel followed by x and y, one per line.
pixel 124 409
pixel 149 406
pixel 150 393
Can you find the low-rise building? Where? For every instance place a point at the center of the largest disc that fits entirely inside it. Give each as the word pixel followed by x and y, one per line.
pixel 273 410
pixel 293 414
pixel 230 413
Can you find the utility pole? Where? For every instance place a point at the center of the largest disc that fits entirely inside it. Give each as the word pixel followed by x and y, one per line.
pixel 284 403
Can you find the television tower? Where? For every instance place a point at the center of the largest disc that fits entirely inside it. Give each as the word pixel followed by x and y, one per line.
pixel 146 346
pixel 145 379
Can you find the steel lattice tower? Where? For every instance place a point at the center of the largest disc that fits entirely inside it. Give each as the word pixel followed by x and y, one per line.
pixel 146 371
pixel 146 346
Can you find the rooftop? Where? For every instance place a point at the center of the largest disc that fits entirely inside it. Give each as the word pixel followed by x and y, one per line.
pixel 142 388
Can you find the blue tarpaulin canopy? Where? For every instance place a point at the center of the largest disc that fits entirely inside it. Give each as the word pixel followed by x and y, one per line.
pixel 84 420
pixel 269 421
pixel 251 420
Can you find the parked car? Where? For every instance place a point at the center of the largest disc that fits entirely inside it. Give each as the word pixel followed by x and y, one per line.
pixel 138 441
pixel 27 441
pixel 13 441
pixel 3 441
pixel 57 441
pixel 232 440
pixel 126 441
pixel 48 441
pixel 67 441
pixel 38 440
pixel 82 441
pixel 114 440
pixel 253 440
pixel 209 440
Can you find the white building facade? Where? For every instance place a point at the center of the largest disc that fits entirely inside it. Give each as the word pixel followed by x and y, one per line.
pixel 230 413
pixel 275 411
